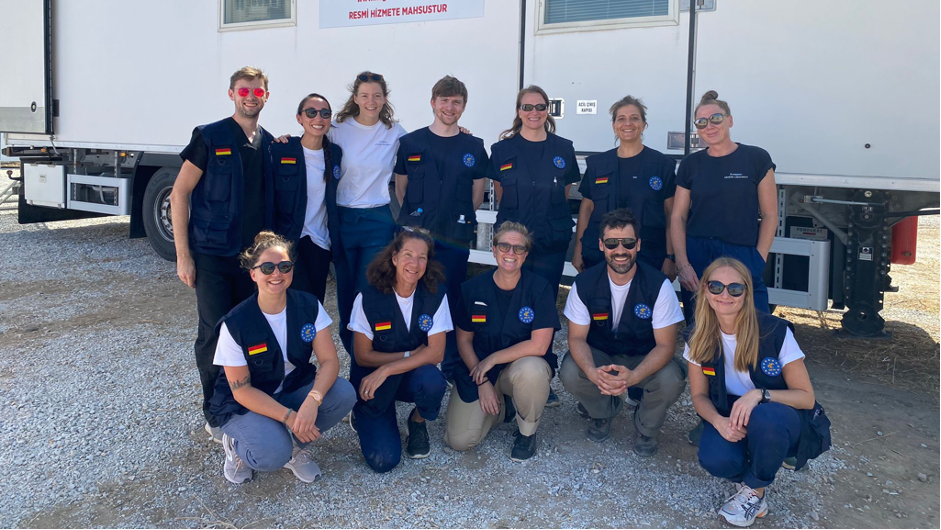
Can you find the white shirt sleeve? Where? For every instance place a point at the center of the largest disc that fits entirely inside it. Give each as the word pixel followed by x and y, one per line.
pixel 441 319
pixel 666 311
pixel 686 355
pixel 228 352
pixel 790 351
pixel 323 318
pixel 358 321
pixel 575 310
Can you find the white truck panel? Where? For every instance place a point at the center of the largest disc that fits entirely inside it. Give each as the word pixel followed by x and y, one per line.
pixel 23 97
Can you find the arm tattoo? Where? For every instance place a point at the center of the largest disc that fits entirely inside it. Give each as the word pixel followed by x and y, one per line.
pixel 235 385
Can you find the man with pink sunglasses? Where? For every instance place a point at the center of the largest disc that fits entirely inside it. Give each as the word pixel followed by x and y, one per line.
pixel 219 202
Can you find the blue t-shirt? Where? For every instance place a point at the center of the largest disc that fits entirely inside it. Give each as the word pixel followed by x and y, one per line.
pixel 447 152
pixel 724 193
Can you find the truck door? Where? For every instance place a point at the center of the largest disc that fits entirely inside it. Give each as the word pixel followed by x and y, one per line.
pixel 25 101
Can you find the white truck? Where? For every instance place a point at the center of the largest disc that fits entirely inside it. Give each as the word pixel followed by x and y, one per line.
pixel 100 96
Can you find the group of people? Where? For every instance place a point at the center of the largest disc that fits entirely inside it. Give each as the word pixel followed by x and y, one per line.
pixel 248 208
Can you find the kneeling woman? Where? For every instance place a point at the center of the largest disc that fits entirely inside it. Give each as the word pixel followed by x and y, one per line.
pixel 505 327
pixel 748 381
pixel 399 323
pixel 270 401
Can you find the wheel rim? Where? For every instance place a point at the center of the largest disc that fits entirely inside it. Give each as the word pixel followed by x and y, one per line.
pixel 162 216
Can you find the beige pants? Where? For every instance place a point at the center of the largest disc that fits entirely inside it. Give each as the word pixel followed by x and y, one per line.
pixel 526 380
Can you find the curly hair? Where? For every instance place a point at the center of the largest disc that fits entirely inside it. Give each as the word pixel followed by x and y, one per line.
pixel 263 241
pixel 381 272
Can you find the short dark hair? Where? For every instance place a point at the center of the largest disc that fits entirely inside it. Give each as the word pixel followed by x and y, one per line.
pixel 447 87
pixel 619 219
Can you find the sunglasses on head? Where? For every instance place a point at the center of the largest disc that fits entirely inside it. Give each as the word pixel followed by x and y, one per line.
pixel 517 249
pixel 526 107
pixel 245 91
pixel 716 288
pixel 369 77
pixel 267 267
pixel 715 119
pixel 612 243
pixel 417 230
pixel 312 113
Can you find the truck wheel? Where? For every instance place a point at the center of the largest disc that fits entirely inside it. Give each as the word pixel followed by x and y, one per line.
pixel 156 212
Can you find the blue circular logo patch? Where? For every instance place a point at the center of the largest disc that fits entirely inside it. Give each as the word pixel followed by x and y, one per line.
pixel 425 322
pixel 527 315
pixel 656 183
pixel 559 162
pixel 336 172
pixel 308 332
pixel 771 367
pixel 642 311
pixel 469 160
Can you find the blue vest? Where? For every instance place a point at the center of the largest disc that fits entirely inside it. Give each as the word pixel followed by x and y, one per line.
pixel 492 335
pixel 644 196
pixel 633 335
pixel 436 201
pixel 217 201
pixel 382 309
pixel 767 373
pixel 289 174
pixel 535 196
pixel 250 329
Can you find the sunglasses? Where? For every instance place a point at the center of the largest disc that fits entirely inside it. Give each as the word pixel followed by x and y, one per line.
pixel 267 267
pixel 612 243
pixel 369 77
pixel 715 119
pixel 417 230
pixel 245 91
pixel 526 107
pixel 716 288
pixel 312 113
pixel 517 249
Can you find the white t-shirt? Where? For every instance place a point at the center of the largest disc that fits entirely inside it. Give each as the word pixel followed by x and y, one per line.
pixel 229 353
pixel 666 311
pixel 738 383
pixel 441 320
pixel 368 159
pixel 315 220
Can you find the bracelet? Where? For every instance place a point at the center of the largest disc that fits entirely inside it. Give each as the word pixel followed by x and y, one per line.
pixel 671 257
pixel 407 353
pixel 286 416
pixel 484 383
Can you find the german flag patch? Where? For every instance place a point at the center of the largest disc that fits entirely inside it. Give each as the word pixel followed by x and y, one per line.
pixel 601 180
pixel 479 319
pixel 383 326
pixel 224 151
pixel 505 167
pixel 599 316
pixel 414 158
pixel 287 160
pixel 260 348
pixel 709 371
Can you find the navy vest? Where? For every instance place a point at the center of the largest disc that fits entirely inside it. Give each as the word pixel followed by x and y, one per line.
pixel 289 174
pixel 535 196
pixel 633 335
pixel 815 426
pixel 390 334
pixel 217 201
pixel 492 335
pixel 443 204
pixel 251 331
pixel 644 196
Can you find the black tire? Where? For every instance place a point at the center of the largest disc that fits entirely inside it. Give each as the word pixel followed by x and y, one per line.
pixel 156 212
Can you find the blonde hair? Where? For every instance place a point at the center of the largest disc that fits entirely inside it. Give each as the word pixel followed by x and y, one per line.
pixel 712 98
pixel 263 241
pixel 248 72
pixel 513 226
pixel 706 337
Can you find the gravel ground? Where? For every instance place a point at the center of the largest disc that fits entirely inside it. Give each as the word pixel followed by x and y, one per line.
pixel 102 428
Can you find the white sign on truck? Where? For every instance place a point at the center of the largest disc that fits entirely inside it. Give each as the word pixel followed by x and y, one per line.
pixel 344 13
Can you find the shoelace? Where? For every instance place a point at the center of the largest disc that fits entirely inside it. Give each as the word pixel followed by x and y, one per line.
pixel 302 457
pixel 743 496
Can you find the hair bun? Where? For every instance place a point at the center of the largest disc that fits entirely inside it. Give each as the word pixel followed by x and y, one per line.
pixel 712 94
pixel 263 236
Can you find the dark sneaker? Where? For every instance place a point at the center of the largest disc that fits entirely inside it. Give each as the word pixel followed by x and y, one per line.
pixel 599 430
pixel 417 444
pixel 509 409
pixel 790 463
pixel 553 400
pixel 582 411
pixel 694 435
pixel 523 448
pixel 645 445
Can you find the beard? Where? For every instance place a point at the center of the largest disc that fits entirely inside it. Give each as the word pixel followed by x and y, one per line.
pixel 622 267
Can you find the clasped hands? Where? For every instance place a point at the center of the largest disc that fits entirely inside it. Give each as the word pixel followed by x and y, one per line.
pixel 614 379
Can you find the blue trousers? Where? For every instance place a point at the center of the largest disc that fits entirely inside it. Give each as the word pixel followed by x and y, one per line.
pixel 376 421
pixel 773 432
pixel 364 232
pixel 454 260
pixel 702 251
pixel 265 445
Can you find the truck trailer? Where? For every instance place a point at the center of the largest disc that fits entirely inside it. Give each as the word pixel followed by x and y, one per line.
pixel 100 97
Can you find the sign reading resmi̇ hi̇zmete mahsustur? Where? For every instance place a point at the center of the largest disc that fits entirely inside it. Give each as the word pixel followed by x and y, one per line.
pixel 344 13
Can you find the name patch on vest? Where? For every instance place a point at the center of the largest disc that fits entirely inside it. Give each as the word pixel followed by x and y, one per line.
pixel 469 160
pixel 288 160
pixel 425 322
pixel 559 162
pixel 224 151
pixel 414 158
pixel 527 315
pixel 642 311
pixel 709 371
pixel 771 367
pixel 656 183
pixel 260 348
pixel 383 326
pixel 308 332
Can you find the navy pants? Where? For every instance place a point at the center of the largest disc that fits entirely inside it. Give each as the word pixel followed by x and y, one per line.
pixel 454 260
pixel 773 432
pixel 702 251
pixel 364 232
pixel 376 421
pixel 311 268
pixel 549 265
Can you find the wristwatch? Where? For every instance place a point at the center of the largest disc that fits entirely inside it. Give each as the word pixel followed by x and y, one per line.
pixel 671 257
pixel 765 395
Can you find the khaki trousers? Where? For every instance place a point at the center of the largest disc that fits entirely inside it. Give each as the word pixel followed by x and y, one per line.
pixel 526 380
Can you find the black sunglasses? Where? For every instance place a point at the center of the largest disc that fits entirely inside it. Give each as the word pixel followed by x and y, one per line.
pixel 526 107
pixel 267 267
pixel 716 288
pixel 369 77
pixel 517 249
pixel 312 113
pixel 715 119
pixel 612 243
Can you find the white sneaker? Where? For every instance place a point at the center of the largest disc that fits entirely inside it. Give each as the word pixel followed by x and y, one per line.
pixel 304 468
pixel 214 432
pixel 742 508
pixel 234 469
